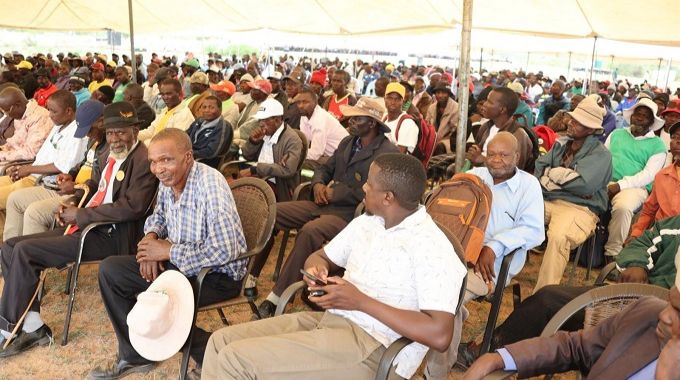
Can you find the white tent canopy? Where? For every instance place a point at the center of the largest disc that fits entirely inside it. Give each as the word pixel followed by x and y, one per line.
pixel 649 22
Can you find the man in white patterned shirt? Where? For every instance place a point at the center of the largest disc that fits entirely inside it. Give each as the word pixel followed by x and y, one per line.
pixel 194 225
pixel 402 278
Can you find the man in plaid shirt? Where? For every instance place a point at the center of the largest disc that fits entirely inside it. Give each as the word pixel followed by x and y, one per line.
pixel 195 224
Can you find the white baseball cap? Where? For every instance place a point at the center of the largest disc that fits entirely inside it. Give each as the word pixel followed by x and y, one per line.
pixel 269 108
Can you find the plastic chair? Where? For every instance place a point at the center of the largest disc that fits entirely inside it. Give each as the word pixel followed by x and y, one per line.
pixel 256 207
pixel 385 367
pixel 599 303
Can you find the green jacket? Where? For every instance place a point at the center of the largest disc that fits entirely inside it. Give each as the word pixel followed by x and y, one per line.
pixel 655 251
pixel 593 167
pixel 524 110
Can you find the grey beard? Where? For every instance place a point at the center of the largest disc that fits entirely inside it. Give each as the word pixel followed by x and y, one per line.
pixel 121 155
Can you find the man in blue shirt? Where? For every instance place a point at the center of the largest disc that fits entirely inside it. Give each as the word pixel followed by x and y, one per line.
pixel 516 222
pixel 195 224
pixel 555 102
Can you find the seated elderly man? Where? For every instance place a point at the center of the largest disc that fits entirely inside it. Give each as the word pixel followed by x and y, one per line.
pixel 323 131
pixel 637 155
pixel 59 153
pixel 210 134
pixel 574 176
pixel 516 222
pixel 30 125
pixel 277 150
pixel 338 189
pixel 402 278
pixel 628 345
pixel 121 191
pixel 31 210
pixel 195 224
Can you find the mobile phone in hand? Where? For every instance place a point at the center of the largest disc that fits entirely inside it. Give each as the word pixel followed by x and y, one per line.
pixel 312 277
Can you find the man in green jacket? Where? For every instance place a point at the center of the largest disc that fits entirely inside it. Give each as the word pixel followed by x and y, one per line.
pixel 574 176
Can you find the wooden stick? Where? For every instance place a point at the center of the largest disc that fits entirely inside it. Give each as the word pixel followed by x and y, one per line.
pixel 43 274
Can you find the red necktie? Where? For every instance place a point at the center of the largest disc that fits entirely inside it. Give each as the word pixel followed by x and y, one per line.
pixel 99 196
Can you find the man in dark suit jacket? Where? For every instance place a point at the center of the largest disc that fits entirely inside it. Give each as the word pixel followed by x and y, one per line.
pixel 121 193
pixel 624 346
pixel 337 187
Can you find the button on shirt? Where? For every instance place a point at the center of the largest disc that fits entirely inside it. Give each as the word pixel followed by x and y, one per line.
pixel 62 149
pixel 411 266
pixel 324 133
pixel 203 224
pixel 517 217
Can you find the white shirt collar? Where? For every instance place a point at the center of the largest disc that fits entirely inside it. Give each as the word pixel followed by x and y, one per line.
pixel 273 139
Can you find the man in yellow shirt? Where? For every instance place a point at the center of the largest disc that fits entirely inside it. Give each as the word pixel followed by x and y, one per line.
pixel 98 78
pixel 176 114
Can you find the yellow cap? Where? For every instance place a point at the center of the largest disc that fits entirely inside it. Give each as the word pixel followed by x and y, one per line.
pixel 395 87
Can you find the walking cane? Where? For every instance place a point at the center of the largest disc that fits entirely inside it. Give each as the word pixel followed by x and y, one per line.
pixel 43 274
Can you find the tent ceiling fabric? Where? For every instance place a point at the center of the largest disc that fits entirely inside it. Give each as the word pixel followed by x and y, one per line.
pixel 623 20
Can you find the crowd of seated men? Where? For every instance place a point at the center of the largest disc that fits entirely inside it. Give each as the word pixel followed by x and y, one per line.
pixel 81 143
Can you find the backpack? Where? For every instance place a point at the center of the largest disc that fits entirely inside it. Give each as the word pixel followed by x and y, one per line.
pixel 463 205
pixel 427 136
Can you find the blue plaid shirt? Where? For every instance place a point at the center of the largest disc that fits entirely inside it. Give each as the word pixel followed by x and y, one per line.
pixel 203 225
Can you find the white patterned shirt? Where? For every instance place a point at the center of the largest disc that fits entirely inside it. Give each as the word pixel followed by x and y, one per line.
pixel 411 266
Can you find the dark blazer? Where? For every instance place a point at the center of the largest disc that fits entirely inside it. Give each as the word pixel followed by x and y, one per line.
pixel 210 144
pixel 617 348
pixel 349 176
pixel 287 150
pixel 132 197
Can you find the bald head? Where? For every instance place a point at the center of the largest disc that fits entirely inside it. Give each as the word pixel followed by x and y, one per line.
pixel 178 136
pixel 505 139
pixel 13 102
pixel 502 156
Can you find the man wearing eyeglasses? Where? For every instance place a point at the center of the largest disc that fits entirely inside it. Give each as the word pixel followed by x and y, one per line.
pixel 60 152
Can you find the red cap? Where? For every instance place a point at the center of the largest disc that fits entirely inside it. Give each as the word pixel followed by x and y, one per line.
pixel 262 85
pixel 224 86
pixel 319 77
pixel 97 67
pixel 673 106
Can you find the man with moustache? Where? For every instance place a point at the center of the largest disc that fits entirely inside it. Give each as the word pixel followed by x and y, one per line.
pixel 121 191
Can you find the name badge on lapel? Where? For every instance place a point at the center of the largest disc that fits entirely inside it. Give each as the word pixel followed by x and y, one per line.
pixel 357 176
pixel 120 175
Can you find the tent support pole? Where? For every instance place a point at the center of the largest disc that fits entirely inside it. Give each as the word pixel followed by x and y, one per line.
pixel 463 91
pixel 133 58
pixel 658 72
pixel 526 68
pixel 569 66
pixel 668 73
pixel 481 57
pixel 592 66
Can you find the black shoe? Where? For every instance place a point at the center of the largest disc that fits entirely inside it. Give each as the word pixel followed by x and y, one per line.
pixel 25 341
pixel 266 310
pixel 119 369
pixel 250 292
pixel 465 356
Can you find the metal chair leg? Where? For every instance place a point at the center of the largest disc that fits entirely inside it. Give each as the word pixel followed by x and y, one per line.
pixel 67 287
pixel 591 254
pixel 282 251
pixel 223 317
pixel 516 295
pixel 73 282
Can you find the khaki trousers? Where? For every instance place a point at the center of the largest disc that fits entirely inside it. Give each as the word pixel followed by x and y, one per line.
pixel 624 205
pixel 6 188
pixel 569 225
pixel 439 364
pixel 31 211
pixel 306 345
